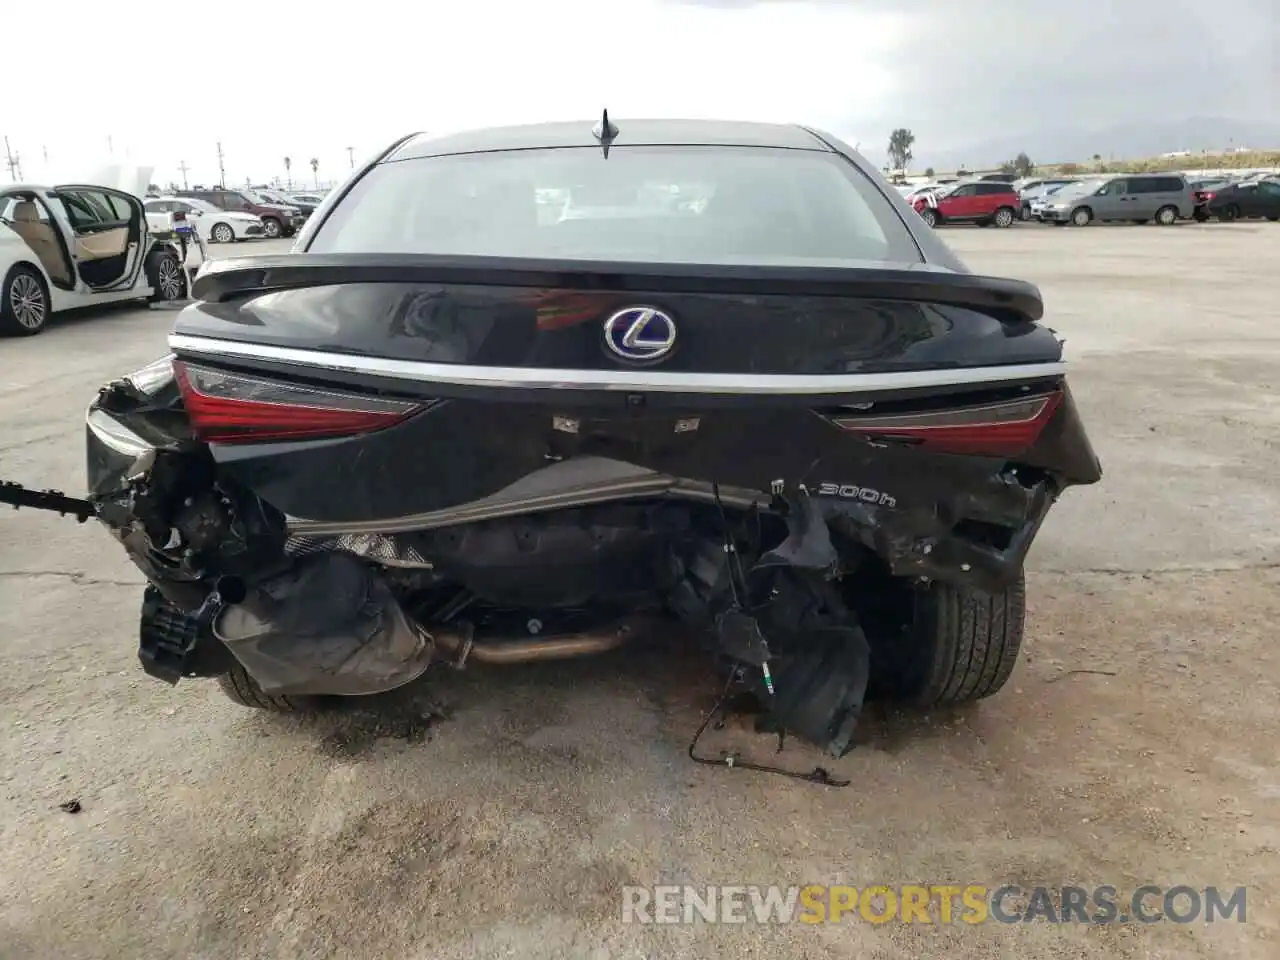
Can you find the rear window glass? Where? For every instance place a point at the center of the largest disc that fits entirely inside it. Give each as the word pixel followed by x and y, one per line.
pixel 694 204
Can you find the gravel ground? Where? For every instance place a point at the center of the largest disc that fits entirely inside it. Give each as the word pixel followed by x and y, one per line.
pixel 508 830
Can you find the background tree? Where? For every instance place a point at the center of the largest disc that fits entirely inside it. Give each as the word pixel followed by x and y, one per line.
pixel 1008 168
pixel 315 171
pixel 900 143
pixel 928 172
pixel 287 176
pixel 1023 166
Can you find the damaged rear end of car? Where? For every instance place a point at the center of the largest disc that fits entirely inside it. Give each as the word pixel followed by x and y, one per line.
pixel 352 467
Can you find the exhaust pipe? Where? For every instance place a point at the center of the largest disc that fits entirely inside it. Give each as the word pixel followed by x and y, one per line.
pixel 331 625
pixel 463 646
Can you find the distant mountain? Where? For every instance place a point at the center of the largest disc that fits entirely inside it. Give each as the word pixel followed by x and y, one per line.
pixel 1121 142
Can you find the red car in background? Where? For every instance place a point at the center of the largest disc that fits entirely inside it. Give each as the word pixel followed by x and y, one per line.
pixel 983 202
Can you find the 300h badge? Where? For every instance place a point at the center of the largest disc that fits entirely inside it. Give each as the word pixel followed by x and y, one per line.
pixel 850 491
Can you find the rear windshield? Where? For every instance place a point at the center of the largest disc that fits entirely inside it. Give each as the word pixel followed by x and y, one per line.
pixel 688 204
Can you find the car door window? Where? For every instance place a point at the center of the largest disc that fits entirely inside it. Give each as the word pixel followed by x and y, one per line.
pixel 1270 190
pixel 1114 189
pixel 968 190
pixel 87 209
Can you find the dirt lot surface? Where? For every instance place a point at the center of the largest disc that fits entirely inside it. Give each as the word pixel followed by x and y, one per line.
pixel 509 830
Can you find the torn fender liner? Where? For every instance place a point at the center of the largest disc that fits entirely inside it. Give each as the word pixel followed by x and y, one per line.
pixel 328 626
pixel 820 692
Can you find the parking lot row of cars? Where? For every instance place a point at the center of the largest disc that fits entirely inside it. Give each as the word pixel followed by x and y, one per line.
pixel 1164 199
pixel 224 215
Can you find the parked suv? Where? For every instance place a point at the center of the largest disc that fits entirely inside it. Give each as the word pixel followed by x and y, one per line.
pixel 1139 198
pixel 983 202
pixel 278 220
pixel 272 195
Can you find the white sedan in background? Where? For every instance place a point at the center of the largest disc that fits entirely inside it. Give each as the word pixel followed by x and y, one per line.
pixel 213 224
pixel 82 245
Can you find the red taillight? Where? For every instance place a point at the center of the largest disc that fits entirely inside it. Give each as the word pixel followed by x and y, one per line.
pixel 179 217
pixel 235 408
pixel 1001 429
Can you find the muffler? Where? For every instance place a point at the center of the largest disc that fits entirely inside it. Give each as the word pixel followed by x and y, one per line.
pixel 330 625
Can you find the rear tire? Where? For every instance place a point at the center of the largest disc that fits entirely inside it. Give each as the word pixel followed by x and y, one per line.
pixel 166 276
pixel 1229 213
pixel 1167 216
pixel 1003 217
pixel 929 216
pixel 272 228
pixel 964 643
pixel 242 689
pixel 24 302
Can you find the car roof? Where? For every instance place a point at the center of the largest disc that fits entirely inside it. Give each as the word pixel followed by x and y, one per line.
pixel 736 133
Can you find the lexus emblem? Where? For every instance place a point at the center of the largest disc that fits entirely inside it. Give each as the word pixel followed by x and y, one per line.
pixel 640 334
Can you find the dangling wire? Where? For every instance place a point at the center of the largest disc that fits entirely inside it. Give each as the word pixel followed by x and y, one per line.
pixel 737 577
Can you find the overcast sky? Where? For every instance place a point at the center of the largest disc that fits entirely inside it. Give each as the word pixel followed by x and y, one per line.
pixel 277 78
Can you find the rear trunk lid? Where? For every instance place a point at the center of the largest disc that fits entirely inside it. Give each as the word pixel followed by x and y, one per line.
pixel 378 313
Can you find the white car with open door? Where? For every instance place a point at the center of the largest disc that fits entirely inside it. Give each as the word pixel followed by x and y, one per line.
pixel 213 224
pixel 81 245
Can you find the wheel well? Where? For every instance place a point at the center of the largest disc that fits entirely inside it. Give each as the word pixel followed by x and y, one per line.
pixel 34 266
pixel 36 269
pixel 1083 206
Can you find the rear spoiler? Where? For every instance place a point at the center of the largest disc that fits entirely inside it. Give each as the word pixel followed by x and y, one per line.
pixel 1008 300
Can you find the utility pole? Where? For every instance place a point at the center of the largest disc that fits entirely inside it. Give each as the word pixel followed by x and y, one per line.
pixel 111 150
pixel 182 166
pixel 351 156
pixel 222 172
pixel 12 161
pixel 45 150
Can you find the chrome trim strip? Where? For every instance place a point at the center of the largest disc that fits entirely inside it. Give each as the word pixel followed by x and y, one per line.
pixel 458 374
